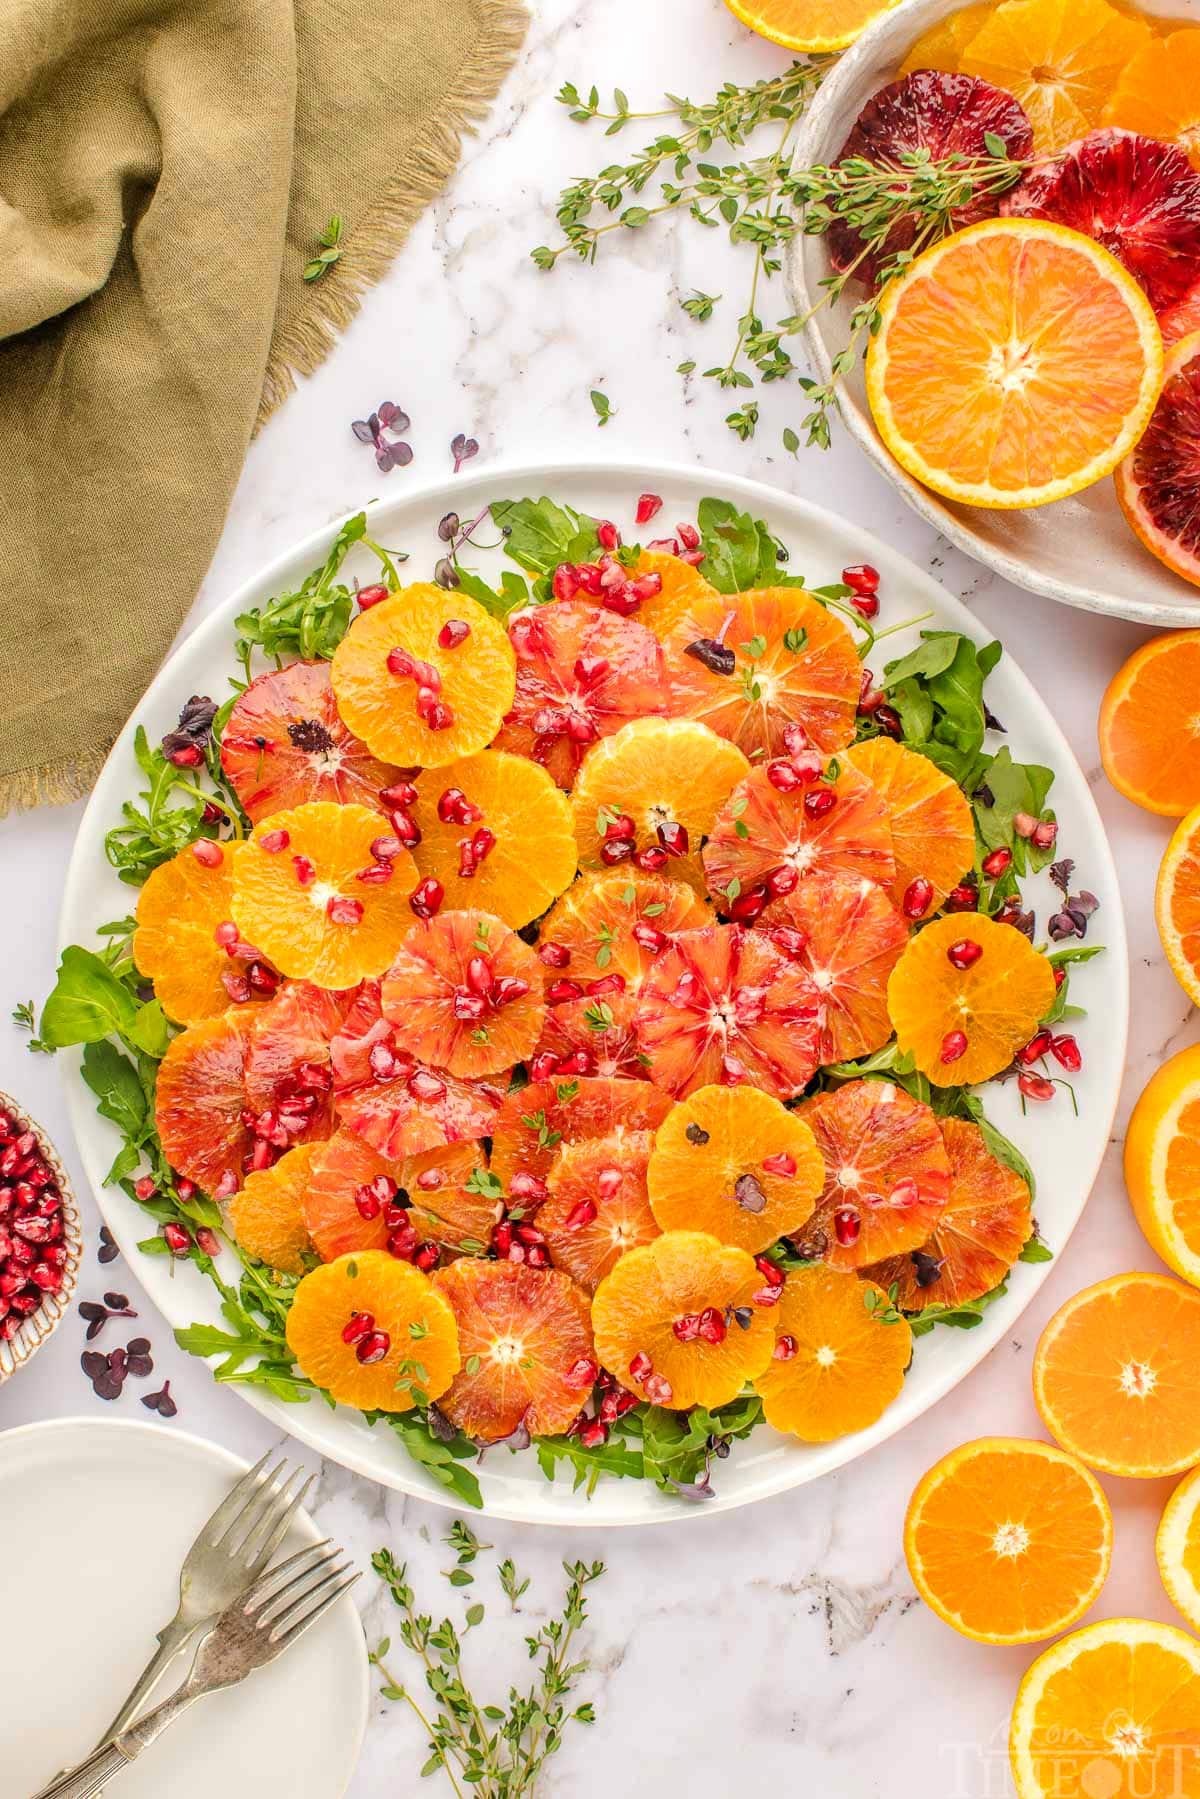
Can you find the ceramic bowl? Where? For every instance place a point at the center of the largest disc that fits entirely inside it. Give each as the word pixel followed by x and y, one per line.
pixel 1079 551
pixel 33 1333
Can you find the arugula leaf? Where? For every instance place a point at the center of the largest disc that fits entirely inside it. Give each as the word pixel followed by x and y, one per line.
pixel 1036 1251
pixel 1063 958
pixel 89 1002
pixel 587 1465
pixel 442 1460
pixel 964 1318
pixel 971 1106
pixel 1014 787
pixel 117 1085
pixel 739 550
pixel 309 621
pixel 150 1031
pixel 540 534
pixel 512 594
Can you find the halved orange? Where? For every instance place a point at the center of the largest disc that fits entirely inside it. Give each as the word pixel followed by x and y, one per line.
pixel 267 1216
pixel 516 802
pixel 465 990
pixel 536 1120
pixel 313 902
pixel 978 1237
pixel 760 831
pixel 1110 1712
pixel 942 46
pixel 524 1334
pixel 200 1098
pixel 1177 1548
pixel 1162 1162
pixel 734 1162
pixel 1177 904
pixel 473 688
pixel 595 919
pixel 289 1066
pixel 933 832
pixel 852 939
pixel 1116 1376
pixel 178 910
pixel 678 1321
pixel 598 1207
pixel 816 25
pixel 373 1333
pixel 794 663
pixel 1150 725
pixel 285 743
pixel 1016 361
pixel 1158 91
pixel 937 998
pixel 682 586
pixel 1008 1540
pixel 839 1357
pixel 1060 58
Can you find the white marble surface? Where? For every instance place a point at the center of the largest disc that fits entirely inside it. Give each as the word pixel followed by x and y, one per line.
pixel 782 1646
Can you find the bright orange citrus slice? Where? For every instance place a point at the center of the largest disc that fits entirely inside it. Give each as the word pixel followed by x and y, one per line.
pixel 374 1333
pixel 682 586
pixel 289 1067
pixel 1150 725
pixel 285 743
pixel 268 1214
pixel 942 46
pixel 1177 1547
pixel 596 919
pixel 200 1098
pixel 933 833
pixel 536 1120
pixel 852 938
pixel 1008 1540
pixel 1177 903
pixel 810 24
pixel 1162 1162
pixel 1016 362
pixel 839 1357
pixel 1158 91
pixel 1060 58
pixel 468 991
pixel 179 909
pixel 598 1207
pixel 966 995
pixel 761 836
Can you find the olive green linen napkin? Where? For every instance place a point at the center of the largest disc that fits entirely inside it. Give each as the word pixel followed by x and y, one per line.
pixel 166 170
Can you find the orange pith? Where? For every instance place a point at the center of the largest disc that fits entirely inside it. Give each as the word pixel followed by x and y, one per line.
pixel 533 1122
pixel 941 47
pixel 996 1003
pixel 681 1275
pixel 523 1332
pixel 1008 1540
pixel 267 1216
pixel 809 24
pixel 1158 92
pixel 736 1163
pixel 722 1004
pixel 1016 362
pixel 1116 1376
pixel 533 858
pixel 933 833
pixel 402 1106
pixel 445 991
pixel 978 1237
pixel 887 1174
pixel 852 838
pixel 853 939
pixel 682 587
pixel 607 1174
pixel 284 744
pixel 289 1069
pixel 815 685
pixel 594 921
pixel 423 1347
pixel 199 1099
pixel 656 771
pixel 282 896
pixel 178 911
pixel 478 677
pixel 597 1035
pixel 836 1365
pixel 1060 58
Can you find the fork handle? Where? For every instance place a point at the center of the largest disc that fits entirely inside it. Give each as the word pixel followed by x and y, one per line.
pixel 171 1639
pixel 114 1757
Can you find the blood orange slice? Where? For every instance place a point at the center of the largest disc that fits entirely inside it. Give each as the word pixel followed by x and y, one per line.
pixel 536 1120
pixel 838 1363
pixel 356 1199
pixel 373 1333
pixel 964 997
pixel 617 923
pixel 397 1104
pixel 525 1334
pixel 285 743
pixel 179 909
pixel 340 1169
pixel 1060 58
pixel 1183 318
pixel 933 833
pixel 1158 484
pixel 682 586
pixel 598 1208
pixel 852 939
pixel 681 1321
pixel 267 1216
pixel 748 665
pixel 736 1163
pixel 887 1174
pixel 723 1006
pixel 495 833
pixel 978 1237
pixel 596 1036
pixel 200 1098
pixel 444 1204
pixel 467 992
pixel 763 838
pixel 289 1070
pixel 582 672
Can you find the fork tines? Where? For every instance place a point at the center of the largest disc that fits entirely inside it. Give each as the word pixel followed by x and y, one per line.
pixel 297 1592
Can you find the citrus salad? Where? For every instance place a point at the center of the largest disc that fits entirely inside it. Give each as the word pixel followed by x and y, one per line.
pixel 552 1012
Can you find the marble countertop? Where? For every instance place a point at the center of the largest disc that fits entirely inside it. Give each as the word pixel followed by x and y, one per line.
pixel 780 1646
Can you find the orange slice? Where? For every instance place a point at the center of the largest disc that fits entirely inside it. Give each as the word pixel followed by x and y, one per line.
pixel 1016 362
pixel 1060 58
pixel 284 743
pixel 536 1120
pixel 178 910
pixel 933 833
pixel 1110 1712
pixel 595 921
pixel 475 679
pixel 598 1208
pixel 1008 1541
pixel 300 895
pixel 524 1334
pixel 1162 1163
pixel 1158 483
pixel 937 998
pixel 665 1321
pixel 289 1066
pixel 734 1162
pixel 794 664
pixel 1150 726
pixel 200 1097
pixel 682 587
pixel 1158 92
pixel 268 1214
pixel 533 856
pixel 978 1237
pixel 596 1036
pixel 1116 1376
pixel 467 991
pixel 403 1348
pixel 1177 903
pixel 942 46
pixel 760 832
pixel 1177 1548
pixel 1179 321
pixel 852 938
pixel 887 1174
pixel 810 24
pixel 839 1357
pixel 339 1169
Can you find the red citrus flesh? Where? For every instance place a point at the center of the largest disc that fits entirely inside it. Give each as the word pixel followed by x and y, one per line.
pixel 1183 318
pixel 285 744
pixel 760 831
pixel 1158 484
pixel 534 1121
pixel 595 921
pixel 289 1070
pixel 853 938
pixel 598 1207
pixel 596 1035
pixel 446 993
pixel 200 1097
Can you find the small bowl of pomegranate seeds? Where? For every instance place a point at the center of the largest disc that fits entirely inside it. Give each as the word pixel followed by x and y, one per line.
pixel 41 1241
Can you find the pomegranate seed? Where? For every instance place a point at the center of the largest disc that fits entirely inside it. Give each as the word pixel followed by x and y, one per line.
pixel 1060 975
pixel 964 953
pixel 653 859
pixel 594 1434
pixel 401 663
pixel 781 881
pixel 383 1061
pixel 918 897
pixel 607 535
pixel 208 1241
pixel 454 808
pixel 641 1366
pixel 1038 1046
pixel 780 1163
pixel 480 978
pixel 274 841
pixel 425 1086
pixel 608 1183
pixel 146 1188
pixel 453 632
pixel 580 729
pixel 559 992
pixel 178 1240
pixel 731 1072
pixel 226 1187
pixel 427 1257
pixel 399 796
pixel 185 1189
pixel 750 905
pixel 207 853
pixel 648 504
pixel 367 1202
pixel 502 1237
pixel 437 715
pixel 528 1188
pixel 358 1326
pixel 226 934
pixel 688 536
pixel 962 898
pixel 373 1347
pixel 1035 1086
pixel 607 983
pixel 565 582
pixel 997 863
pixel 658 1389
pixel 482 844
pixel 770 1273
pixel 582 1373
pixel 710 1326
pixel 543 1066
pixel 554 955
pixel 406 828
pixel 580 1215
pixel 888 720
pixel 402 1243
pixel 578 1062
pixel 819 803
pixel 618 849
pixel 783 777
pixel 646 587
pixel 649 938
pixel 620 827
pixel 1025 824
pixel 861 577
pixel 537 1257
pixel 673 838
pixel 341 910
pixel 588 575
pixel 866 604
pixel 426 898
pixel 847 1226
pixel 792 942
pixel 687 1328
pixel 370 596
pixel 1045 834
pixel 1066 1053
pixel 306 872
pixel 954 1045
pixel 785 1348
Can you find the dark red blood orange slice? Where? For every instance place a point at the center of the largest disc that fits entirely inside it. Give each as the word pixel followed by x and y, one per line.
pixel 535 1120
pixel 467 991
pixel 1183 318
pixel 200 1100
pixel 594 1035
pixel 289 1071
pixel 1158 484
pixel 764 835
pixel 852 938
pixel 284 744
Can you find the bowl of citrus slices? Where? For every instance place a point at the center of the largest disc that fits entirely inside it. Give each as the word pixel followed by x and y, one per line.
pixel 1001 269
pixel 571 989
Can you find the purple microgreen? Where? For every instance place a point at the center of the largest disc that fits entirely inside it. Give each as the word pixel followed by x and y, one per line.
pixel 108 1251
pixel 389 453
pixel 161 1402
pixel 462 449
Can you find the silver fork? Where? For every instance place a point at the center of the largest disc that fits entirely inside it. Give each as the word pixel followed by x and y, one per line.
pixel 259 1625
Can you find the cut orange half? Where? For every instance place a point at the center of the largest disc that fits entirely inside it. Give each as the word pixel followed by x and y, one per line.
pixel 1150 725
pixel 1177 1546
pixel 1177 904
pixel 178 912
pixel 374 1333
pixel 1162 1163
pixel 1059 58
pixel 810 24
pixel 1015 363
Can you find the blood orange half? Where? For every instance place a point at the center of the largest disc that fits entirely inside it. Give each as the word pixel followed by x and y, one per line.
pixel 598 1207
pixel 1158 484
pixel 466 992
pixel 285 743
pixel 200 1099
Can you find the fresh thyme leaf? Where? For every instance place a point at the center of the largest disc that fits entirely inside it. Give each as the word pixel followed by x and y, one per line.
pixel 25 1019
pixel 330 241
pixel 601 404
